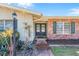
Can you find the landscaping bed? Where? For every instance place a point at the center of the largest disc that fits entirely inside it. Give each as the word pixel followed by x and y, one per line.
pixel 65 50
pixel 63 41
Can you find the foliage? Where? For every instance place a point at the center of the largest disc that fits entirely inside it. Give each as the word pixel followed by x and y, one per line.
pixel 20 45
pixel 5 38
pixel 17 35
pixel 4 42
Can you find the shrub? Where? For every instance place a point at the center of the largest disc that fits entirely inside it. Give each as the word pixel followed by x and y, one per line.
pixel 19 45
pixel 4 42
pixel 5 37
pixel 17 35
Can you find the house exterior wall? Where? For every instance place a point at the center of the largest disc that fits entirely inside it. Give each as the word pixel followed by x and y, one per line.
pixel 6 14
pixel 28 33
pixel 51 35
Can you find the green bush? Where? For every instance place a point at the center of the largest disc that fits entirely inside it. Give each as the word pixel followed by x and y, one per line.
pixel 5 37
pixel 17 35
pixel 19 45
pixel 3 44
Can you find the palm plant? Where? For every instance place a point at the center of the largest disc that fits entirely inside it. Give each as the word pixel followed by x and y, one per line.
pixel 6 41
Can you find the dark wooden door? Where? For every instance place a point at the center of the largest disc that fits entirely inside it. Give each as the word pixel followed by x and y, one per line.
pixel 40 29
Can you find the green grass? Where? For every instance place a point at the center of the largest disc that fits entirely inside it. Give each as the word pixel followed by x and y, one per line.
pixel 65 51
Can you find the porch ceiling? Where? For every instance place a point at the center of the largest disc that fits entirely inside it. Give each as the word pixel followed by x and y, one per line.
pixel 41 20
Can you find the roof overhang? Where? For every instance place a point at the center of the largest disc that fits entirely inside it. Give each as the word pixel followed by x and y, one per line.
pixel 63 17
pixel 35 14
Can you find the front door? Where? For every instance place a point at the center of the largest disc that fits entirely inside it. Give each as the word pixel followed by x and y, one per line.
pixel 40 30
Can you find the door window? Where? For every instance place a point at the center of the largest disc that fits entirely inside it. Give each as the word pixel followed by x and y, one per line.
pixel 37 28
pixel 43 28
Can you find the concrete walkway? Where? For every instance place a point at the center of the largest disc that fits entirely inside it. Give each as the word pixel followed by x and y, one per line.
pixel 44 52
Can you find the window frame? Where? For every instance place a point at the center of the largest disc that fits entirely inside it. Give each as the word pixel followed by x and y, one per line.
pixel 4 23
pixel 63 28
pixel 68 28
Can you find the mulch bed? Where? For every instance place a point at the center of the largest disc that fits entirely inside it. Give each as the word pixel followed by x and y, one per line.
pixel 63 41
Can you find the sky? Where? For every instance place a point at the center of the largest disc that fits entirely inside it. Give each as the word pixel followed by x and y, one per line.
pixel 52 9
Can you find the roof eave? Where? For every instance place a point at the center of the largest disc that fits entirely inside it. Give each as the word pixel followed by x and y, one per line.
pixel 23 10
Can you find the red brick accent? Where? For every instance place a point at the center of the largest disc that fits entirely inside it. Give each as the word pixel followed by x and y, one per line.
pixel 50 34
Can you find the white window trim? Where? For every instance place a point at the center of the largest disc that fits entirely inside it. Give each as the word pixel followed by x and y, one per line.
pixel 64 29
pixel 4 23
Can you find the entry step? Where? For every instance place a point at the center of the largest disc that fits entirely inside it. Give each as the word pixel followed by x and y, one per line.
pixel 41 44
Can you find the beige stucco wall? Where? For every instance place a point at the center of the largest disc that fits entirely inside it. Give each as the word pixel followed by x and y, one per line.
pixel 22 19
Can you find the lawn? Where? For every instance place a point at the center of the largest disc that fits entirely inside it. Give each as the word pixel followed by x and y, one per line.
pixel 65 50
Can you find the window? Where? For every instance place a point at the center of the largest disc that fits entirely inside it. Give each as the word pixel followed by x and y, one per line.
pixel 8 24
pixel 4 24
pixel 59 28
pixel 1 25
pixel 37 28
pixel 67 28
pixel 42 28
pixel 63 28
